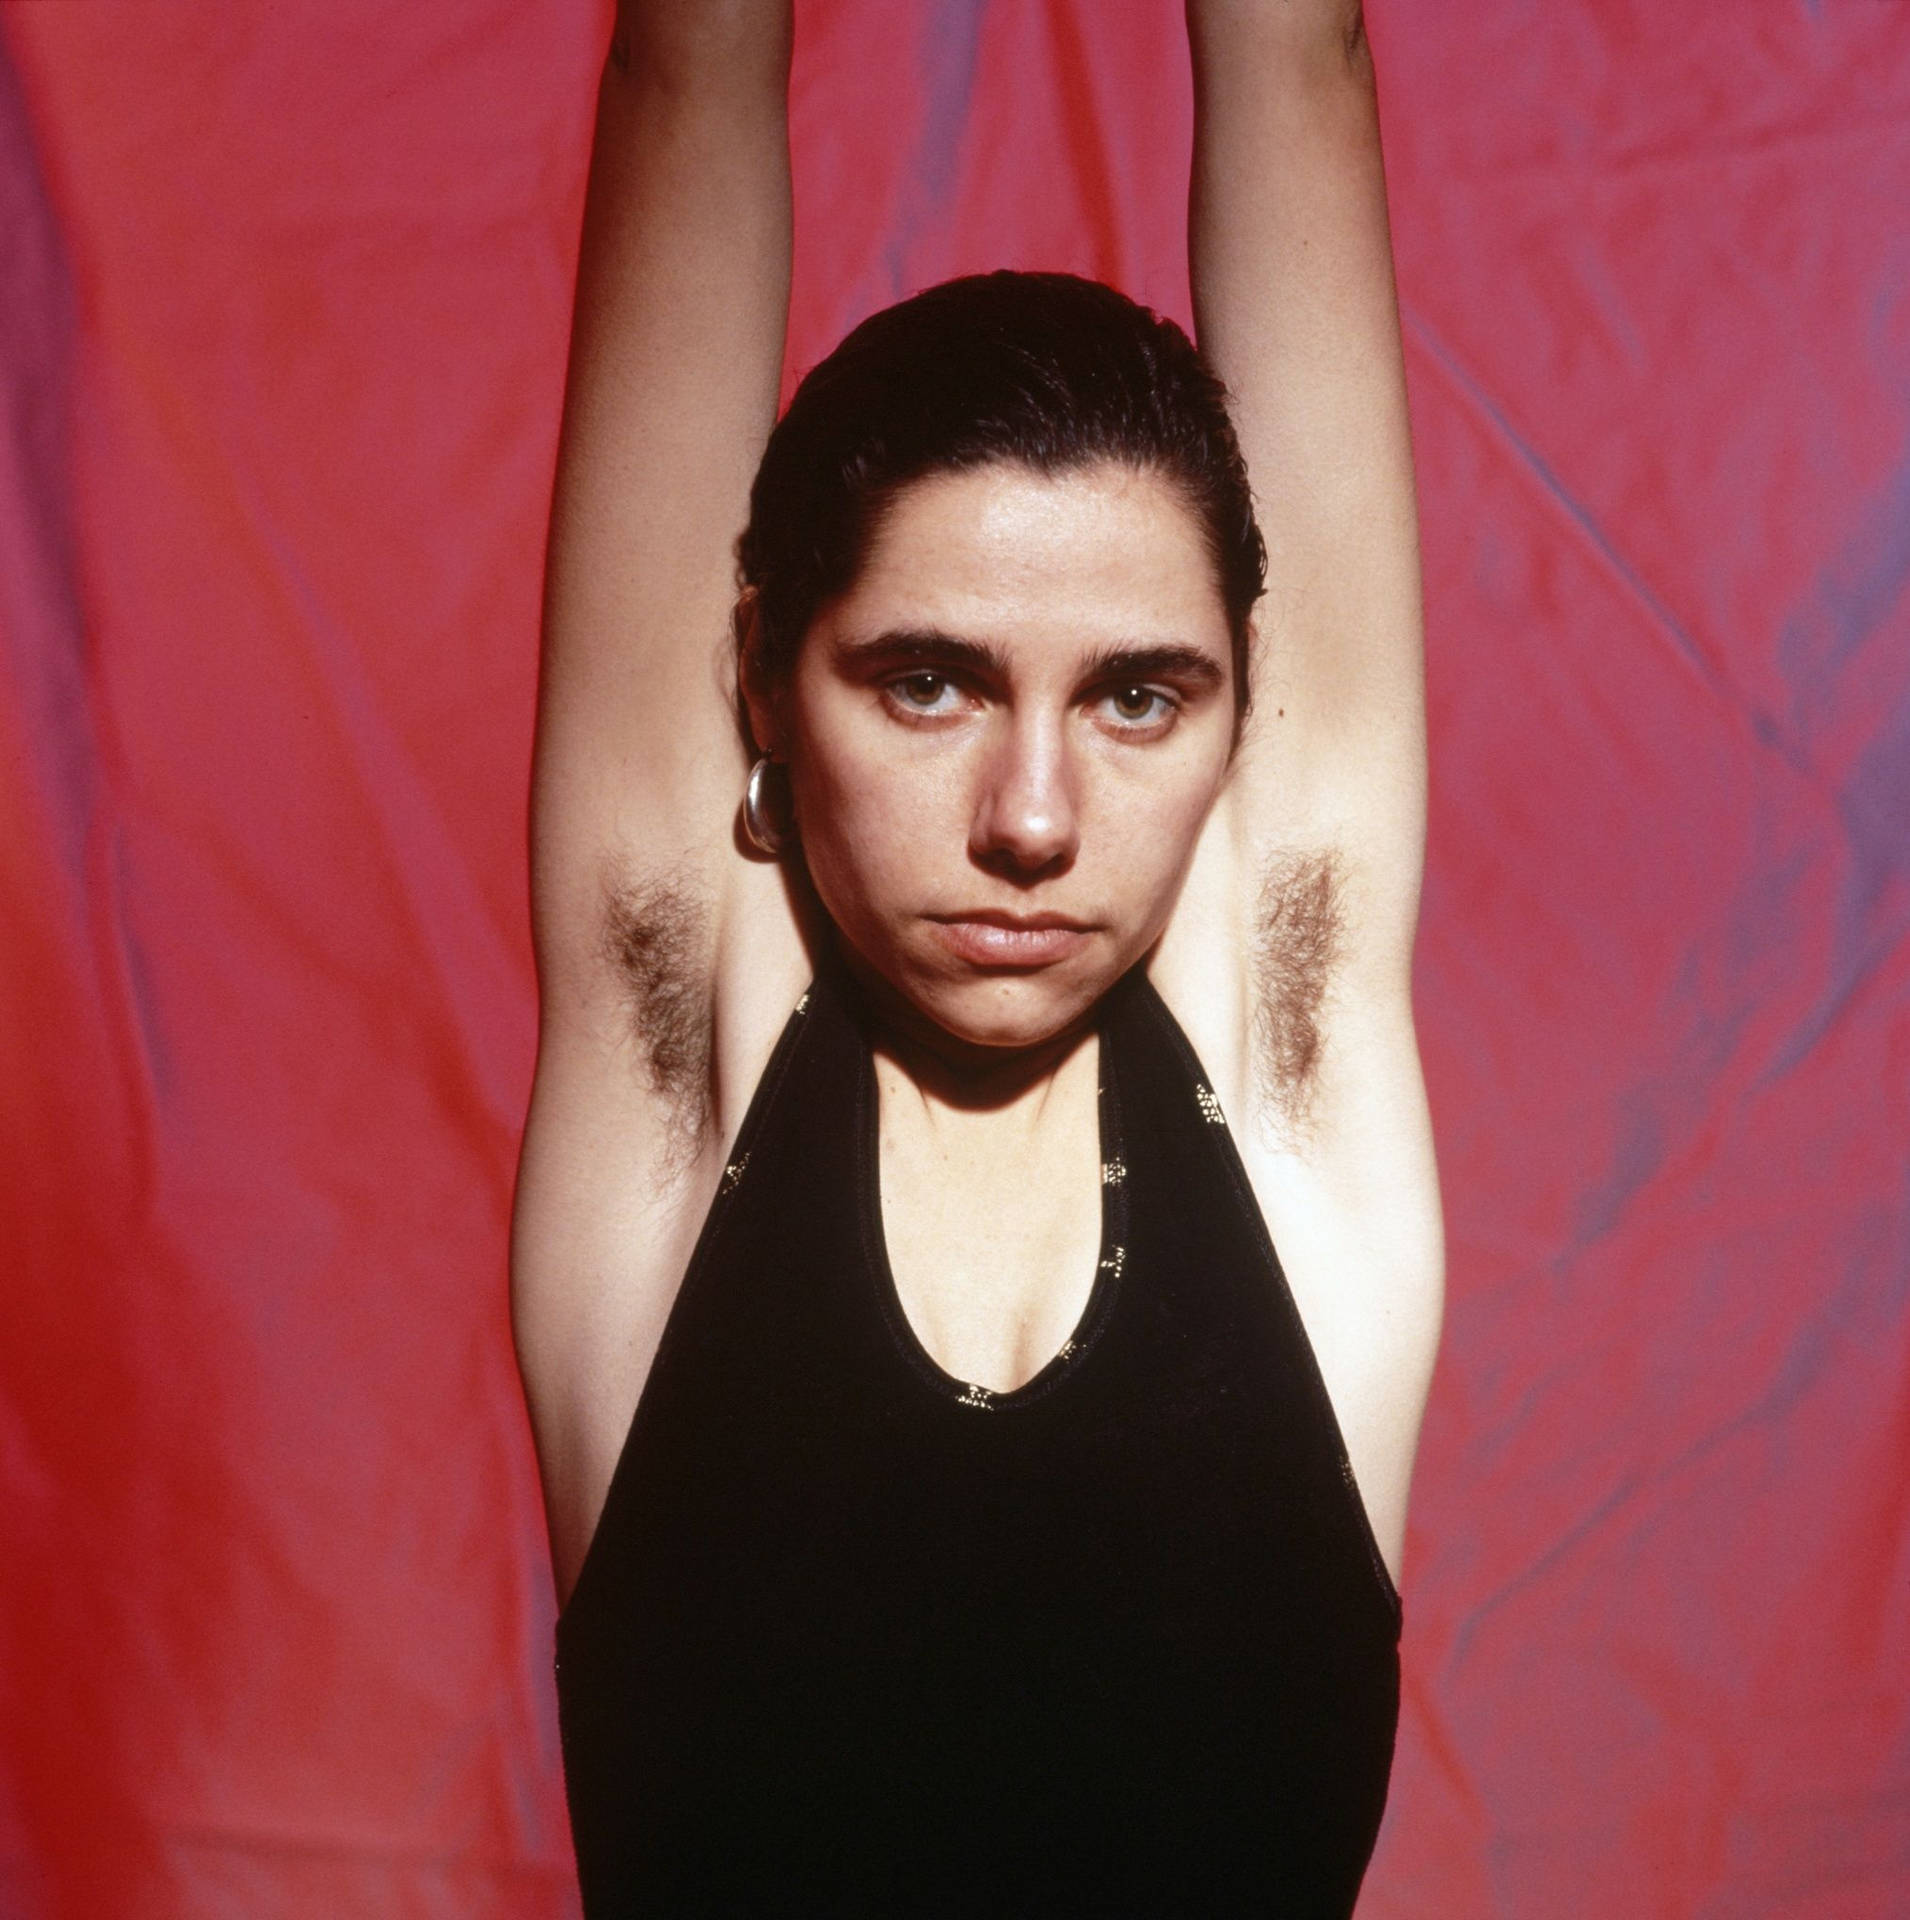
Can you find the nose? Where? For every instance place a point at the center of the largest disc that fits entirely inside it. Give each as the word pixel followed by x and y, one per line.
pixel 1026 823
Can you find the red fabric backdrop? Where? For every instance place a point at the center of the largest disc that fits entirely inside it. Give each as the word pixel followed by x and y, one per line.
pixel 281 345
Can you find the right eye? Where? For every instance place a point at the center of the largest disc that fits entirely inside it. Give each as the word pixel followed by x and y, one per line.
pixel 926 693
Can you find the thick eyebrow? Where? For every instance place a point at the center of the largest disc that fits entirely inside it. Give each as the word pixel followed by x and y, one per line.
pixel 925 646
pixel 1188 664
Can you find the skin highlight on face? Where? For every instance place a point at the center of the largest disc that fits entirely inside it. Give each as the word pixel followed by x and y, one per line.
pixel 1003 742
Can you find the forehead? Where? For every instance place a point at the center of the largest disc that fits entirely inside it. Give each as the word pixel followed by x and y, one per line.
pixel 1008 554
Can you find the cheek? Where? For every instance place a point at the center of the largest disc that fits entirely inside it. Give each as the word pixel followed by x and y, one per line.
pixel 877 820
pixel 1148 817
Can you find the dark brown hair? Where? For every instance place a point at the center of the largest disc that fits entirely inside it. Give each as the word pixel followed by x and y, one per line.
pixel 1044 370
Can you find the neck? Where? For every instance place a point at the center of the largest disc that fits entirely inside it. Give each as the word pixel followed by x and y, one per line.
pixel 949 1070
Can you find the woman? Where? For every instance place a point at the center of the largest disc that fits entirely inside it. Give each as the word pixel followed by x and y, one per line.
pixel 1002 1525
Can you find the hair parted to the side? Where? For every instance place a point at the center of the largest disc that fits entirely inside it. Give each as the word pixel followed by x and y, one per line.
pixel 1044 370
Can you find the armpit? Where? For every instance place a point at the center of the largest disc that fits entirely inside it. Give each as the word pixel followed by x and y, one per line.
pixel 657 938
pixel 1297 929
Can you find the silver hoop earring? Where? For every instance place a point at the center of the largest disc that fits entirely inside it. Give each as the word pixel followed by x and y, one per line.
pixel 759 828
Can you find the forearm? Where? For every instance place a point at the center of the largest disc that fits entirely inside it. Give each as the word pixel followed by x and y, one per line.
pixel 1290 251
pixel 690 164
pixel 688 201
pixel 682 286
pixel 676 350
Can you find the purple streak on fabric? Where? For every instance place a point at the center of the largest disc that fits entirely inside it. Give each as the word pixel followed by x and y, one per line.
pixel 949 49
pixel 40 625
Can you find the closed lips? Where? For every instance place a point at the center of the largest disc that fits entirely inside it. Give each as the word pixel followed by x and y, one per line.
pixel 990 938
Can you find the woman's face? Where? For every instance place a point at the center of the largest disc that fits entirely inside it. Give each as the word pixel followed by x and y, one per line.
pixel 1003 741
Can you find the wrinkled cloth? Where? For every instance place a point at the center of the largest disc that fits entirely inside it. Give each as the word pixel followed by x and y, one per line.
pixel 282 331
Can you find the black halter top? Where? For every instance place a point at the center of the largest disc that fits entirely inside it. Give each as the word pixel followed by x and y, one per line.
pixel 855 1637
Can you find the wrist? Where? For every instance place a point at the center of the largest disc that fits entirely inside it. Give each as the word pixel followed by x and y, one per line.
pixel 1315 31
pixel 703 46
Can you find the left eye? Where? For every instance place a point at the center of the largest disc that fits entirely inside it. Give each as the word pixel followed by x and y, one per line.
pixel 1137 706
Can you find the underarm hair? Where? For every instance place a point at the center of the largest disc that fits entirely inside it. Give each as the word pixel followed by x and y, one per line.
pixel 1296 943
pixel 657 938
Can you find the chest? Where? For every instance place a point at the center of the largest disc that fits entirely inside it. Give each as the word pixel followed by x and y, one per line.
pixel 993 1222
pixel 849 1617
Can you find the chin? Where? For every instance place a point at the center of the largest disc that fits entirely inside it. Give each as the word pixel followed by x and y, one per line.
pixel 989 1009
pixel 1008 1012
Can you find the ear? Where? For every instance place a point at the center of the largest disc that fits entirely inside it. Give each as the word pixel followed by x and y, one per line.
pixel 757 697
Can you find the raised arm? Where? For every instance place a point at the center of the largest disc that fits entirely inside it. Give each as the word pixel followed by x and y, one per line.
pixel 682 291
pixel 1303 909
pixel 637 889
pixel 1293 296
